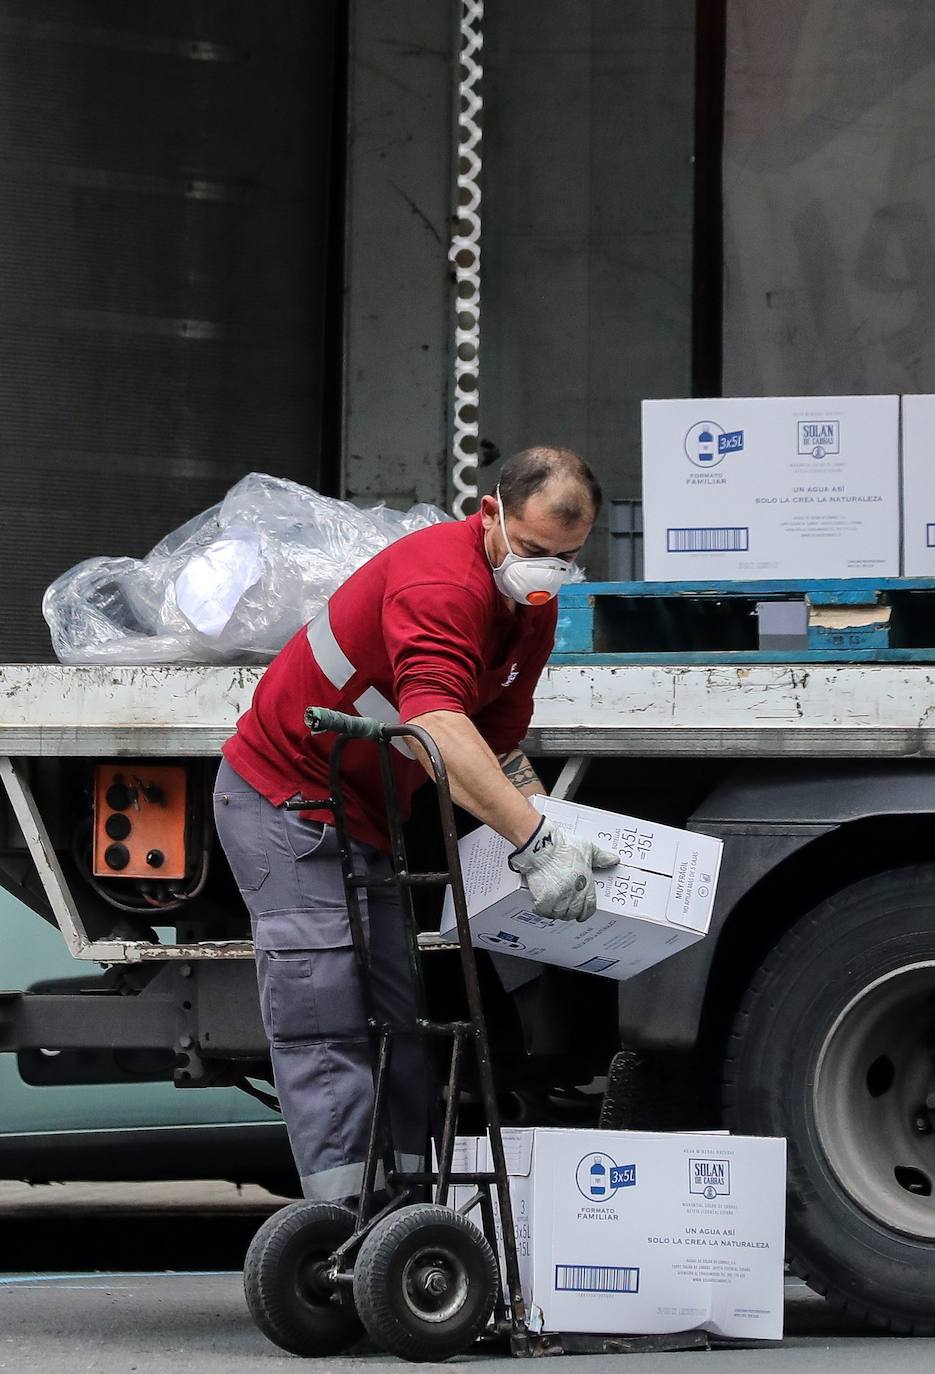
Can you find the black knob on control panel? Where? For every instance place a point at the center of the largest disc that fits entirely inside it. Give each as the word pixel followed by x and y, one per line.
pixel 116 856
pixel 119 797
pixel 155 858
pixel 118 827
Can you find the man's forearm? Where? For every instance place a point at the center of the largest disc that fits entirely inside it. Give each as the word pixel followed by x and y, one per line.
pixel 518 771
pixel 476 778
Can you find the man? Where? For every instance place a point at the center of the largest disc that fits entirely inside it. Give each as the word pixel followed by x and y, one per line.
pixel 449 629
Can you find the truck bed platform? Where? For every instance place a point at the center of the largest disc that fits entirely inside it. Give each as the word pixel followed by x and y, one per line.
pixel 764 710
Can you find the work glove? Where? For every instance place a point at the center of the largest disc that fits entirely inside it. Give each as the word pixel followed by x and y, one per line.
pixel 556 867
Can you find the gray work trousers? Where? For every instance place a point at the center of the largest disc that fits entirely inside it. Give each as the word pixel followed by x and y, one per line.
pixel 289 875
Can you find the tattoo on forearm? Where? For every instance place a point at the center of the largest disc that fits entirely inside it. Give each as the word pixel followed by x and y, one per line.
pixel 517 768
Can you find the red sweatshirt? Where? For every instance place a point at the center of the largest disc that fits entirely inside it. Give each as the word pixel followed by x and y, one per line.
pixel 419 628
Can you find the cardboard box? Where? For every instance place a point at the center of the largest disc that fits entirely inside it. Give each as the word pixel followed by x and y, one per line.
pixel 918 493
pixel 472 1154
pixel 771 487
pixel 469 1157
pixel 657 901
pixel 645 1233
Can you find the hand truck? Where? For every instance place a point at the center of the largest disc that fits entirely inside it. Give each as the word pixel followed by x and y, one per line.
pixel 419 1278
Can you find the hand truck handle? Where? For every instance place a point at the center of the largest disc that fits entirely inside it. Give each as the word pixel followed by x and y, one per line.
pixel 319 720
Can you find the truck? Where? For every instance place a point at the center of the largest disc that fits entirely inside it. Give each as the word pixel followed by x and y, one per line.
pixel 373 247
pixel 806 1012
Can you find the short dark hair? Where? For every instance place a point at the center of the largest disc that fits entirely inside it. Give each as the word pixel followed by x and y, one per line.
pixel 533 469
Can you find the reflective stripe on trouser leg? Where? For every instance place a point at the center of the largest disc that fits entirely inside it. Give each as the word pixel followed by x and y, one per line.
pixel 334 1185
pixel 331 1185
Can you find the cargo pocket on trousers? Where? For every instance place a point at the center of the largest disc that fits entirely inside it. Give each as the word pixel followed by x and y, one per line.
pixel 312 987
pixel 238 818
pixel 290 995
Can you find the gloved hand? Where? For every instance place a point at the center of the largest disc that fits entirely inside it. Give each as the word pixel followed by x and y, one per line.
pixel 557 868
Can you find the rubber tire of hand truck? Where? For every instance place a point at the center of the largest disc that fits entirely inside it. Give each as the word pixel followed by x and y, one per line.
pixel 284 1283
pixel 425 1282
pixel 831 1048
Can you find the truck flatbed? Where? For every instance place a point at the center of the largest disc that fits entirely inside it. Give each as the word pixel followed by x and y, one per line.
pixel 673 710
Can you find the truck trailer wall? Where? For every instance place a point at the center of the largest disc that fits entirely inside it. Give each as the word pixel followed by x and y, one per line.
pixel 829 204
pixel 398 293
pixel 165 220
pixel 587 242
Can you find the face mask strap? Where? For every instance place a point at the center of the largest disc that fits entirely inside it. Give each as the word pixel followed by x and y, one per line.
pixel 506 537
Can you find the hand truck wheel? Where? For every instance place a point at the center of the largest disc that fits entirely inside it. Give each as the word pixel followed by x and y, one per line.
pixel 286 1280
pixel 425 1281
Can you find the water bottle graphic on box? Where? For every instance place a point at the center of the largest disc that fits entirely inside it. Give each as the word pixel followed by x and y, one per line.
pixel 705 444
pixel 705 452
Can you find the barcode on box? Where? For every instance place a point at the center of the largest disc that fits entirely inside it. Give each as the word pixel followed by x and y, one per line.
pixel 597 965
pixel 729 539
pixel 595 1278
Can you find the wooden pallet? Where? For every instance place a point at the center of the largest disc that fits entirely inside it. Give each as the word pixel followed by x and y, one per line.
pixel 891 620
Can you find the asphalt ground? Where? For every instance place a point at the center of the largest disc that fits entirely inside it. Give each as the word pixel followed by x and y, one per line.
pixel 157 1287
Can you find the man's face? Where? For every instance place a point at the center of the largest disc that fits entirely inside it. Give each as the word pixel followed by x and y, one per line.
pixel 534 532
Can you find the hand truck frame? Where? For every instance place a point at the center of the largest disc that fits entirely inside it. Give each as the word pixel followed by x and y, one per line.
pixel 421 1278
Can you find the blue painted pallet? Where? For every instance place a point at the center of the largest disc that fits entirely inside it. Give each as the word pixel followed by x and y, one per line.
pixel 888 620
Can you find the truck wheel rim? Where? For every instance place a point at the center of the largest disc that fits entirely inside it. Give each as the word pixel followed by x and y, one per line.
pixel 435 1283
pixel 874 1099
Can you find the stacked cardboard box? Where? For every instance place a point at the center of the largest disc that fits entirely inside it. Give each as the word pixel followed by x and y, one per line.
pixel 918 485
pixel 774 487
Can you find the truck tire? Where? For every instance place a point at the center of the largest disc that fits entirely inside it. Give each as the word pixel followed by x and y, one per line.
pixel 652 1092
pixel 834 1048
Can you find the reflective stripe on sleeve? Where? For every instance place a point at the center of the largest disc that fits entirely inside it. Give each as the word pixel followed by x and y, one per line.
pixel 330 657
pixel 373 703
pixel 338 669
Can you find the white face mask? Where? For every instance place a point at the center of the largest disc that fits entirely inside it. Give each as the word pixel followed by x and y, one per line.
pixel 530 581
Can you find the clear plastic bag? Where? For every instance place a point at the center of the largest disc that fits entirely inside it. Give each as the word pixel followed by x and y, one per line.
pixel 231 585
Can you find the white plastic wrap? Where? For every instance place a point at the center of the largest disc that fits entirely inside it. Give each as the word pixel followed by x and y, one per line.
pixel 231 585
